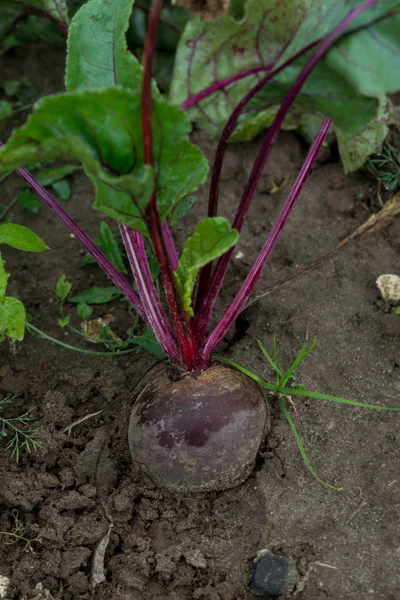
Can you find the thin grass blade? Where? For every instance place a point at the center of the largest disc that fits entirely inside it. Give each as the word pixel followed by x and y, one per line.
pixel 310 394
pixel 296 363
pixel 246 372
pixel 271 361
pixel 301 448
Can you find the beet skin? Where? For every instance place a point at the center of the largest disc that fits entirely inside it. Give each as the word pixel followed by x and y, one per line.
pixel 196 433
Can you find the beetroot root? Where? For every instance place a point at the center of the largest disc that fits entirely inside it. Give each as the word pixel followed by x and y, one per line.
pixel 197 433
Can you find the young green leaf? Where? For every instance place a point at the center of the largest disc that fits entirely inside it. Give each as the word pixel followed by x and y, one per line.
pixel 211 238
pixel 148 342
pixel 97 53
pixel 3 280
pixel 102 130
pixel 29 200
pixel 110 247
pixel 12 318
pixel 63 321
pixel 84 310
pixel 63 288
pixel 21 238
pixel 62 188
pixel 96 295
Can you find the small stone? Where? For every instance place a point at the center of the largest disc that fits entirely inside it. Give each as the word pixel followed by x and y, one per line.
pixel 195 558
pixel 67 477
pixel 389 287
pixel 88 490
pixel 4 585
pixel 270 575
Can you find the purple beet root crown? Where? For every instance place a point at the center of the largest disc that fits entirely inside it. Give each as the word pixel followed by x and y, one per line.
pixel 196 433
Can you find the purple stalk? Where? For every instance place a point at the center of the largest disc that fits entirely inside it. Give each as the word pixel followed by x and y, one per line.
pixel 155 315
pixel 171 249
pixel 248 285
pixel 230 125
pixel 104 263
pixel 218 85
pixel 206 306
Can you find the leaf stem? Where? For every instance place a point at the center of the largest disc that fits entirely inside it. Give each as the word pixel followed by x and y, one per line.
pixel 104 263
pixel 155 315
pixel 239 301
pixel 189 355
pixel 205 308
pixel 36 331
pixel 219 85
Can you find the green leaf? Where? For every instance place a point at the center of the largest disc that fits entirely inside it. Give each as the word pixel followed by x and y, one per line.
pixel 49 176
pixel 62 188
pixel 57 9
pixel 21 238
pixel 96 295
pixel 3 280
pixel 97 53
pixel 12 318
pixel 102 130
pixel 211 238
pixel 29 200
pixel 148 342
pixel 63 288
pixel 354 150
pixel 63 321
pixel 180 210
pixel 15 30
pixel 347 85
pixel 110 247
pixel 397 310
pixel 84 310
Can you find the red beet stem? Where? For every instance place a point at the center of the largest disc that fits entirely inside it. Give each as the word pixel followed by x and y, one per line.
pixel 203 316
pixel 189 355
pixel 248 285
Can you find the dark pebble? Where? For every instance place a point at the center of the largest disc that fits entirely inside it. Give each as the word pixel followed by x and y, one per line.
pixel 270 576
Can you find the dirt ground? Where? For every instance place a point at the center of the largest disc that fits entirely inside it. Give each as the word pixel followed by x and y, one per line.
pixel 163 546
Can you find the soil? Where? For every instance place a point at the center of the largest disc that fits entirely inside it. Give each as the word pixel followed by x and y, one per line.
pixel 81 489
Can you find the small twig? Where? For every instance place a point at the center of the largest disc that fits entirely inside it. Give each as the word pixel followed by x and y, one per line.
pixel 325 565
pixel 359 507
pixel 69 428
pixel 375 222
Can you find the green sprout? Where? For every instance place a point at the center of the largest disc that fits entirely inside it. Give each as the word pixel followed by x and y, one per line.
pixel 385 167
pixel 22 436
pixel 286 386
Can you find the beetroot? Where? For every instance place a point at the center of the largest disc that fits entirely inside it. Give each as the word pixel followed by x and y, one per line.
pixel 197 432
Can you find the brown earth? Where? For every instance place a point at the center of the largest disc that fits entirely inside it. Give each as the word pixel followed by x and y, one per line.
pixel 164 546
